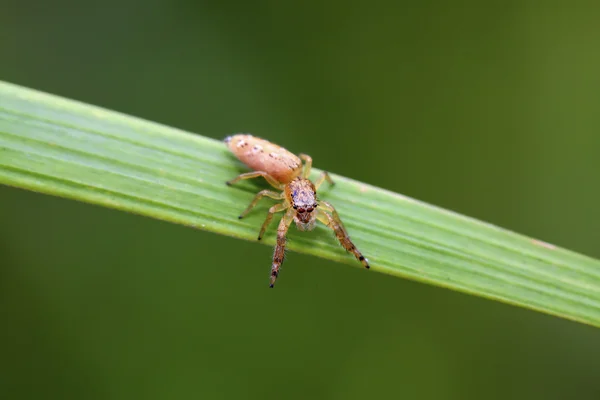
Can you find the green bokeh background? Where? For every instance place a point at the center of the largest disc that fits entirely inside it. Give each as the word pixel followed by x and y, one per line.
pixel 491 110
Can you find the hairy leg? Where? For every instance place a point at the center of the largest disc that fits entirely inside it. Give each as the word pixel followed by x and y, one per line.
pixel 322 178
pixel 260 195
pixel 307 164
pixel 272 210
pixel 326 206
pixel 340 232
pixel 279 252
pixel 255 174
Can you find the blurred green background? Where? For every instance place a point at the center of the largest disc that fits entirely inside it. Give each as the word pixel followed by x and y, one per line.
pixel 489 109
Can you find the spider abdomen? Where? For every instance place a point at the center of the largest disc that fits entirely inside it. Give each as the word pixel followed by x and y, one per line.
pixel 262 155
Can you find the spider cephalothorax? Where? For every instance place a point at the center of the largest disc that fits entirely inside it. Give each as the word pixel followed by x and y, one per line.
pixel 302 195
pixel 283 170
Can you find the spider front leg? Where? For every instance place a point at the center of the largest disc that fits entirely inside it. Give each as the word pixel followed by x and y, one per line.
pixel 255 174
pixel 279 253
pixel 272 210
pixel 335 223
pixel 260 195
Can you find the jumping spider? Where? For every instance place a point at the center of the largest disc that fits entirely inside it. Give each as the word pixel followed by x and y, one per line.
pixel 283 170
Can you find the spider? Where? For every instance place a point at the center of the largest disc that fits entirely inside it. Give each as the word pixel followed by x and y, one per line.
pixel 284 171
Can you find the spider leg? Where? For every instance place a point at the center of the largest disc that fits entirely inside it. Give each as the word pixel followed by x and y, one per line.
pixel 307 164
pixel 322 178
pixel 324 205
pixel 334 223
pixel 260 195
pixel 255 174
pixel 307 167
pixel 276 208
pixel 279 253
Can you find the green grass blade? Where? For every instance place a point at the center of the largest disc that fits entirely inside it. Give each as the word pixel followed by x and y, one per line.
pixel 60 147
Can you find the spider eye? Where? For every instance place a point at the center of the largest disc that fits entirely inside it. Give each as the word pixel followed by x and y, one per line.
pixel 301 210
pixel 315 205
pixel 295 207
pixel 309 209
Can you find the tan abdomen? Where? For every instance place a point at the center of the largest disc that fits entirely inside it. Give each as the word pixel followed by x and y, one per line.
pixel 262 155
